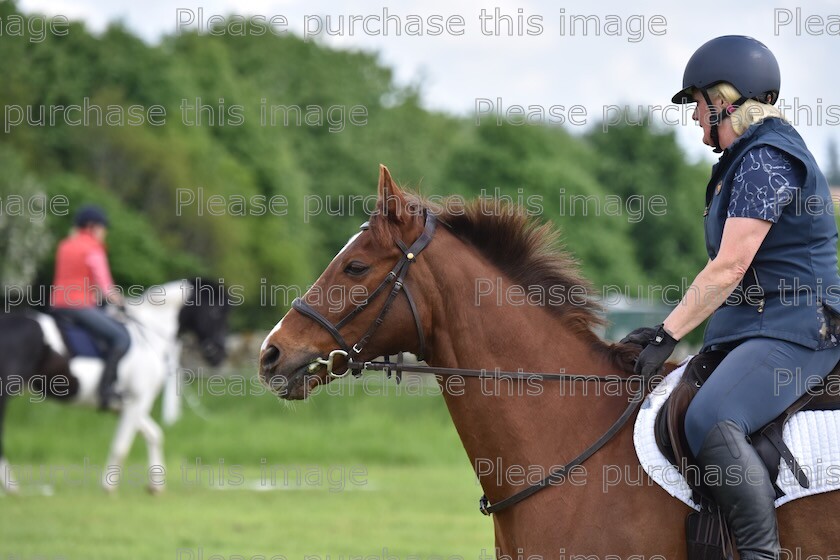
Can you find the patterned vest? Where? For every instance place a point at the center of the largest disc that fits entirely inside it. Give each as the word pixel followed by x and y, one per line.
pixel 794 272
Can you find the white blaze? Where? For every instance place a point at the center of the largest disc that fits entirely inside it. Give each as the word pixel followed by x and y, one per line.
pixel 274 330
pixel 280 324
pixel 346 245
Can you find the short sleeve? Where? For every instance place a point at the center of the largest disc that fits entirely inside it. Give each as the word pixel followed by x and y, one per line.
pixel 767 180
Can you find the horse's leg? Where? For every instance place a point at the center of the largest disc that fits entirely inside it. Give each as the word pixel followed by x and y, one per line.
pixel 154 442
pixel 127 428
pixel 22 348
pixel 7 479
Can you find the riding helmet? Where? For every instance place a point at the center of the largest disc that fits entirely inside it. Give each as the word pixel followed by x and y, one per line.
pixel 90 214
pixel 742 61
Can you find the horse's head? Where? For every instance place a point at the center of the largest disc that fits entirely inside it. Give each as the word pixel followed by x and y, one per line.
pixel 341 314
pixel 204 314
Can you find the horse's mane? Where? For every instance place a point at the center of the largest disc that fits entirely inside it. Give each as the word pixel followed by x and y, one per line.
pixel 530 252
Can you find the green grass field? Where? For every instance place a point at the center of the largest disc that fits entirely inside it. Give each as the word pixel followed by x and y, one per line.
pixel 355 476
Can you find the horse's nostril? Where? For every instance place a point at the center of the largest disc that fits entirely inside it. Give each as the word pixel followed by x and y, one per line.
pixel 270 357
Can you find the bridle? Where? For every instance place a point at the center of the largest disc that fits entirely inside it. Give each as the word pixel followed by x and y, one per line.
pixel 397 275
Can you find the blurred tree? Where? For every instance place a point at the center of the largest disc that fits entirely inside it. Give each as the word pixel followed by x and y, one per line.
pixel 637 161
pixel 139 172
pixel 832 174
pixel 24 208
pixel 547 163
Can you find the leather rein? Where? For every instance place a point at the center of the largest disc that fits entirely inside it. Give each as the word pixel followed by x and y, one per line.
pixel 397 276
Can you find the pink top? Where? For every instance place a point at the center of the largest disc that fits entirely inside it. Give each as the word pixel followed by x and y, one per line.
pixel 81 266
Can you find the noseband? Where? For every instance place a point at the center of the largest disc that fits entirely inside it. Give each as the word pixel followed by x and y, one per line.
pixel 397 277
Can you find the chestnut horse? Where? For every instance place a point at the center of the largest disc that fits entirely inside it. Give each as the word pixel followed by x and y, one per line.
pixel 492 290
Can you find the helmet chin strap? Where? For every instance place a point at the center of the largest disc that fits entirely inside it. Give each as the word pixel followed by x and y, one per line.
pixel 716 116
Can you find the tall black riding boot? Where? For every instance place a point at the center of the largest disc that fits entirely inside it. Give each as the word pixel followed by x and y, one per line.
pixel 739 482
pixel 108 397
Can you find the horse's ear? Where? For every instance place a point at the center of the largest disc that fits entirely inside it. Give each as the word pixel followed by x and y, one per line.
pixel 391 202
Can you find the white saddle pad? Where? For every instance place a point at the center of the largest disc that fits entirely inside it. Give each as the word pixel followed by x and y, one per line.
pixel 812 436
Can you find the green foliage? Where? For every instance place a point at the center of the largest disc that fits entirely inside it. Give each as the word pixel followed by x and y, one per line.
pixel 23 232
pixel 832 174
pixel 140 172
pixel 141 259
pixel 549 164
pixel 638 161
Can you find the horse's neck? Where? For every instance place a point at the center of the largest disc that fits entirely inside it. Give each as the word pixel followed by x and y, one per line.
pixel 484 322
pixel 535 424
pixel 157 311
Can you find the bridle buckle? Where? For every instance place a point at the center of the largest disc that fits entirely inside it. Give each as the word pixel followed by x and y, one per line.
pixel 397 275
pixel 484 505
pixel 329 362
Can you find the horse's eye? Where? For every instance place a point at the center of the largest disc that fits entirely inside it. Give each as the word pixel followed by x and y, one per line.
pixel 356 268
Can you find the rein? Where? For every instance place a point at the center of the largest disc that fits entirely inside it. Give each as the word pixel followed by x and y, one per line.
pixel 350 353
pixel 143 328
pixel 558 474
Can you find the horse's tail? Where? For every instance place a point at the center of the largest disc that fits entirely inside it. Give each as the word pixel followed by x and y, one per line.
pixel 171 404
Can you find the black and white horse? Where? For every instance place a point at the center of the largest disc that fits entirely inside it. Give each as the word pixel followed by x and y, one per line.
pixel 33 356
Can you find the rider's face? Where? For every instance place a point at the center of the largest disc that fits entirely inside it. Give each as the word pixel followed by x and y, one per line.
pixel 701 116
pixel 99 232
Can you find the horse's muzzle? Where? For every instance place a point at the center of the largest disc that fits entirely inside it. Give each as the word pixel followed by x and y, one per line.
pixel 213 352
pixel 290 379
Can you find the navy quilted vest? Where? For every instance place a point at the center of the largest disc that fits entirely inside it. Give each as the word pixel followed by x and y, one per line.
pixel 795 269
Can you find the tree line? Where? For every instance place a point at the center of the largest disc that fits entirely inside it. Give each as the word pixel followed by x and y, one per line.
pixel 249 179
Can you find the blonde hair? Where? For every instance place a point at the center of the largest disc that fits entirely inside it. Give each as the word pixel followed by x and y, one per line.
pixel 749 113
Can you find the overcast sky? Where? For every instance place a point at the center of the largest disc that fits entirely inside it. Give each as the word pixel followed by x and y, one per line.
pixel 558 65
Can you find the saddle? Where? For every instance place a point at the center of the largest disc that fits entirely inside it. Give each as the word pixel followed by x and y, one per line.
pixel 768 442
pixel 79 342
pixel 707 536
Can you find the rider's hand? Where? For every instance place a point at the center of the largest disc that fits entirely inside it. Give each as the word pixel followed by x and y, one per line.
pixel 658 346
pixel 641 336
pixel 116 299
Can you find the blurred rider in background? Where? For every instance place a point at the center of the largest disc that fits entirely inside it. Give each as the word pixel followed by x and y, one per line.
pixel 82 281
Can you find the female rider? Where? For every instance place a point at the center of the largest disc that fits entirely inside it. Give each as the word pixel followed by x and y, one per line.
pixel 82 275
pixel 770 286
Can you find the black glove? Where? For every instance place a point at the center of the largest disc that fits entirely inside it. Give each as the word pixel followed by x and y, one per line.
pixel 641 336
pixel 657 348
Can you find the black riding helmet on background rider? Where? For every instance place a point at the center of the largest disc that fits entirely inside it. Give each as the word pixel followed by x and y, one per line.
pixel 742 61
pixel 90 214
